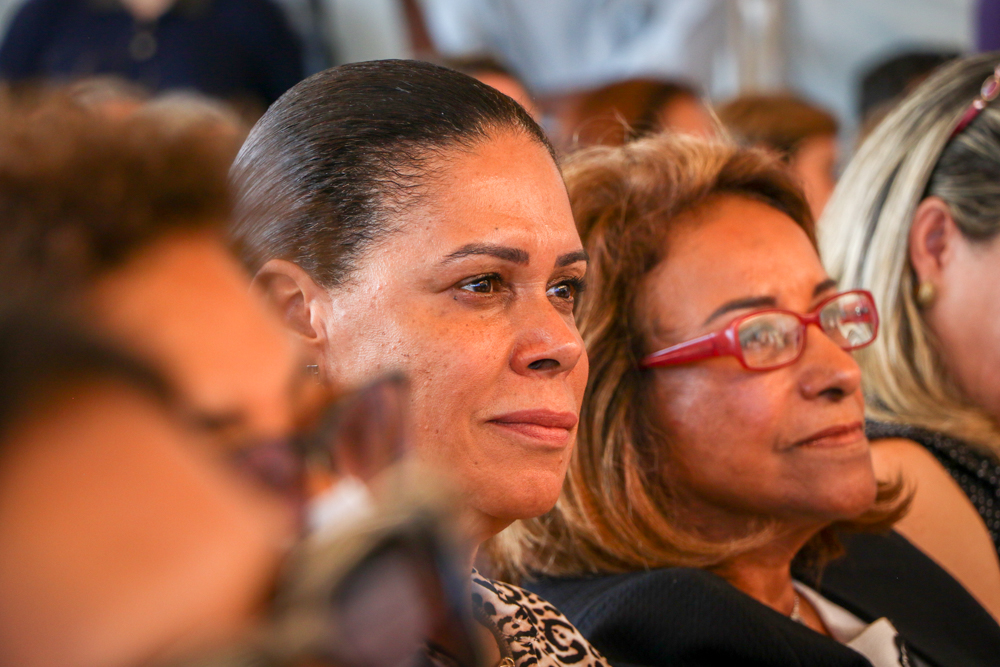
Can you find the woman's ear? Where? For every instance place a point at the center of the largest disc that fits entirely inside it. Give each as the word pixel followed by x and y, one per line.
pixel 296 297
pixel 932 240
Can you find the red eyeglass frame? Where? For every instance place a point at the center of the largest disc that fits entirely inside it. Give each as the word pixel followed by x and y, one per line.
pixel 726 342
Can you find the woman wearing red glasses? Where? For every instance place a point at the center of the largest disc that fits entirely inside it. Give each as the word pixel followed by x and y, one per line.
pixel 722 437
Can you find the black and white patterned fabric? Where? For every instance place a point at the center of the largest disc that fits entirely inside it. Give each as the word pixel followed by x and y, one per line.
pixel 537 634
pixel 975 471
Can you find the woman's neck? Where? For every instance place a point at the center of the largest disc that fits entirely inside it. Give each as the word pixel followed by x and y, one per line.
pixel 765 574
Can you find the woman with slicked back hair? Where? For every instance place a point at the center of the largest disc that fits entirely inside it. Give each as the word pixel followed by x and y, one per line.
pixel 916 220
pixel 407 218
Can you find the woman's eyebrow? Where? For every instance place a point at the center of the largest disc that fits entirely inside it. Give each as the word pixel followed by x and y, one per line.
pixel 506 253
pixel 572 258
pixel 740 304
pixel 827 284
pixel 764 301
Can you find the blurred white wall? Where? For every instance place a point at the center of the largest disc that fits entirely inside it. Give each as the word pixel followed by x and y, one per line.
pixel 817 47
pixel 832 42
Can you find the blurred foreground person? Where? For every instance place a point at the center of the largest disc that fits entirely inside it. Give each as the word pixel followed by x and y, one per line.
pixel 118 220
pixel 916 220
pixel 407 218
pixel 803 134
pixel 127 540
pixel 123 537
pixel 722 437
pixel 630 109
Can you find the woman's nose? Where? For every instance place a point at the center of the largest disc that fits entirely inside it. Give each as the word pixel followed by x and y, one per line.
pixel 827 371
pixel 547 344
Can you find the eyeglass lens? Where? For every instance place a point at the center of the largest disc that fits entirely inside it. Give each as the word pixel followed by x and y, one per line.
pixel 772 339
pixel 849 320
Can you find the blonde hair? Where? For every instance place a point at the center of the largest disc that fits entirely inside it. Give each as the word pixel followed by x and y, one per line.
pixel 616 513
pixel 864 238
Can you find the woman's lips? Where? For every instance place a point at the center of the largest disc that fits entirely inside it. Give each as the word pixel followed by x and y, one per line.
pixel 835 436
pixel 546 426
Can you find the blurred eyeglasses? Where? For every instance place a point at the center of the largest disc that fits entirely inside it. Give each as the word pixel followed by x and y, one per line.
pixel 773 338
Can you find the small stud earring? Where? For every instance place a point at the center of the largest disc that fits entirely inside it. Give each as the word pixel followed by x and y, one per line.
pixel 312 369
pixel 926 294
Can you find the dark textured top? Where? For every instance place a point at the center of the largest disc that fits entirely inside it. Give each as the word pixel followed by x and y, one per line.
pixel 686 617
pixel 976 472
pixel 231 49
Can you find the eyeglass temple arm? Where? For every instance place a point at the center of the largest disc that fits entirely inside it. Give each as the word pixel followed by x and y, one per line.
pixel 699 348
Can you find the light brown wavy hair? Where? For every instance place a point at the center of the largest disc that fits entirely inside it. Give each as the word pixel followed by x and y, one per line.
pixel 616 513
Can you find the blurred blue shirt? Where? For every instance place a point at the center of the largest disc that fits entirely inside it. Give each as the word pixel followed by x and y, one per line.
pixel 231 49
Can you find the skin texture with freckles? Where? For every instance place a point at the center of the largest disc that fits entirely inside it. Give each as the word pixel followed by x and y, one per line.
pixel 740 447
pixel 479 336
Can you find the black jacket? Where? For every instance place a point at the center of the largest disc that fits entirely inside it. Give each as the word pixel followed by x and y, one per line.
pixel 689 617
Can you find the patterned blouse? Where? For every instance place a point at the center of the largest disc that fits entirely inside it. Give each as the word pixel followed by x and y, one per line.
pixel 536 634
pixel 976 472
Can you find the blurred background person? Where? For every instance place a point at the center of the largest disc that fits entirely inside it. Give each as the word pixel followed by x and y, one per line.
pixel 493 74
pixel 722 437
pixel 241 51
pixel 804 135
pixel 431 236
pixel 915 221
pixel 630 109
pixel 884 85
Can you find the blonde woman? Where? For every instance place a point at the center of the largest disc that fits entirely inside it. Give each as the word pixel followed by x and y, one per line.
pixel 721 437
pixel 915 221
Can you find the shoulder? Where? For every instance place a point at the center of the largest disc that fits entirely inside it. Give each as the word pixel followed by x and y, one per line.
pixel 942 521
pixel 537 633
pixel 634 591
pixel 685 616
pixel 646 603
pixel 889 454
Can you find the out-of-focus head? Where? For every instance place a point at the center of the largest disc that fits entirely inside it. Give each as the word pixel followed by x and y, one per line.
pixel 125 538
pixel 689 464
pixel 120 219
pixel 487 70
pixel 918 211
pixel 626 110
pixel 407 218
pixel 802 133
pixel 889 80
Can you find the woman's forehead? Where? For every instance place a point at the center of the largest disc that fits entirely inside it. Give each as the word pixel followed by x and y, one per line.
pixel 735 248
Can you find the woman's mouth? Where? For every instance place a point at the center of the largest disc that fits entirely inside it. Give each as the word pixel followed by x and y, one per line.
pixel 835 436
pixel 544 426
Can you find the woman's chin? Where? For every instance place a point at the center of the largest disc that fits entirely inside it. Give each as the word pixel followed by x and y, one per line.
pixel 846 502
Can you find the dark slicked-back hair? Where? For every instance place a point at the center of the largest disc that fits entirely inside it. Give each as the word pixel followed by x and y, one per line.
pixel 322 174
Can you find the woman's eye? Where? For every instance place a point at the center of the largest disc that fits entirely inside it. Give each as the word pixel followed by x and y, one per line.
pixel 566 290
pixel 562 291
pixel 482 285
